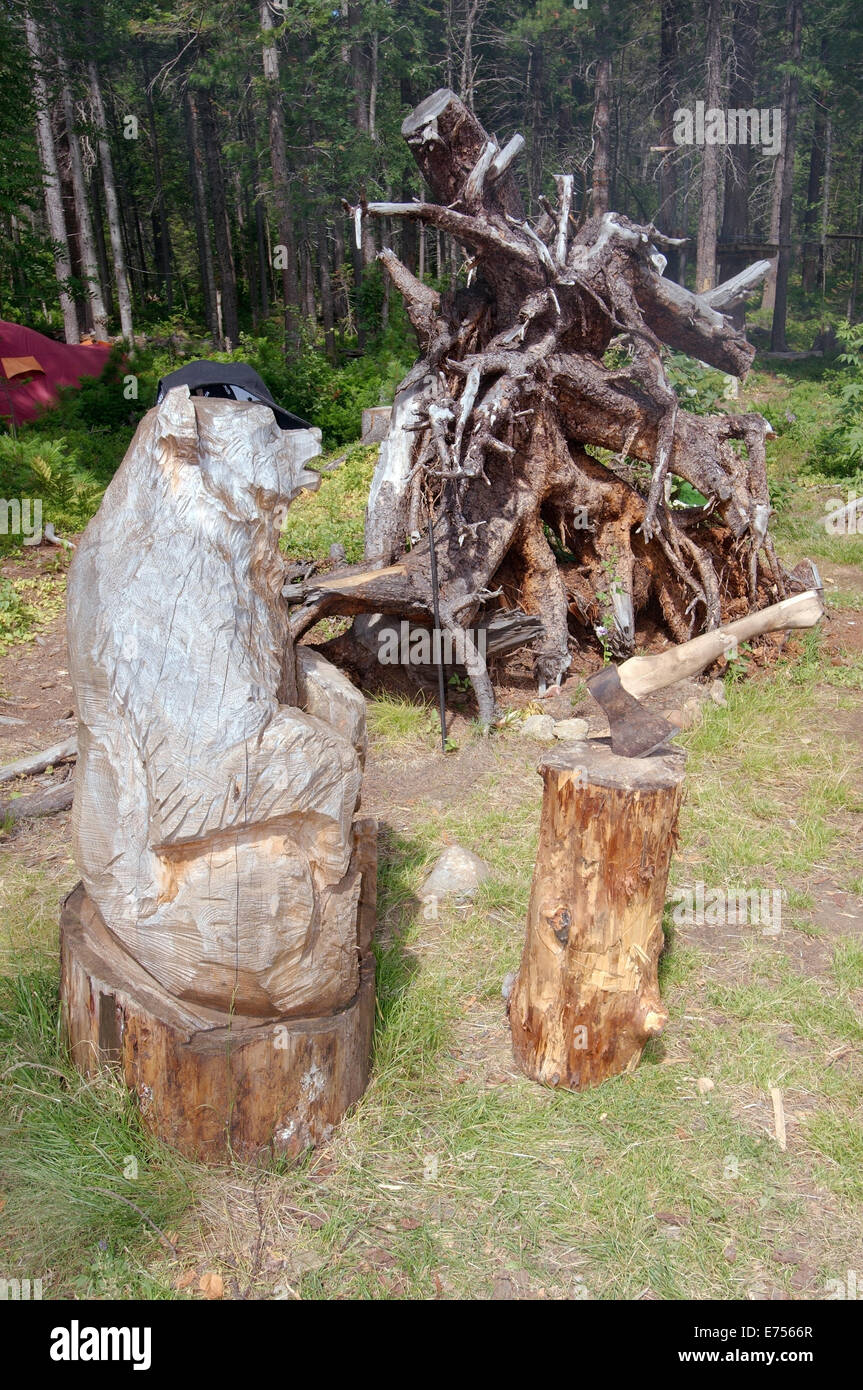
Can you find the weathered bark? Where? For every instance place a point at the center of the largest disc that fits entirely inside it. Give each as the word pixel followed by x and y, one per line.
pixel 112 206
pixel 586 998
pixel 490 430
pixel 51 184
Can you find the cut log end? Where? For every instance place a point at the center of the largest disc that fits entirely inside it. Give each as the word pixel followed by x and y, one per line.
pixel 211 1084
pixel 586 998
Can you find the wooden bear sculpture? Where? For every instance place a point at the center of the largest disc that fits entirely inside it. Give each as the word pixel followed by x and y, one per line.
pixel 219 769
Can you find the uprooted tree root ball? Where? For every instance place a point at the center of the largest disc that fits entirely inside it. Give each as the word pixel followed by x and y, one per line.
pixel 490 430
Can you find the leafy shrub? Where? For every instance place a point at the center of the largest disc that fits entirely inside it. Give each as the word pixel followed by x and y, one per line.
pixel 699 389
pixel 839 449
pixel 34 467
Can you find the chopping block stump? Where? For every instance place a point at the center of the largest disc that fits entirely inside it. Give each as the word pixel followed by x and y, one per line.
pixel 586 997
pixel 208 1083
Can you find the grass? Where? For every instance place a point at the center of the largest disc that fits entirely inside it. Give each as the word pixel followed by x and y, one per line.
pixel 334 514
pixel 394 720
pixel 86 1190
pixel 754 764
pixel 454 1173
pixel 28 604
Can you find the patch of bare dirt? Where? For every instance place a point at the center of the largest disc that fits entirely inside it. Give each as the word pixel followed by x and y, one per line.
pixel 35 689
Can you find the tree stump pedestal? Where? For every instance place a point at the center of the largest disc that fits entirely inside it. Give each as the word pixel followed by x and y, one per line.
pixel 586 997
pixel 208 1083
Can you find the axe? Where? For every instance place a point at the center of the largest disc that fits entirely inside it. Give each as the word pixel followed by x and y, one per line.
pixel 635 732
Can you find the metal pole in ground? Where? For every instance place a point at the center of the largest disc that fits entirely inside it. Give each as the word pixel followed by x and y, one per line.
pixel 441 681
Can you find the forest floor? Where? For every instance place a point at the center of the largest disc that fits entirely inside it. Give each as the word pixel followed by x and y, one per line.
pixel 455 1177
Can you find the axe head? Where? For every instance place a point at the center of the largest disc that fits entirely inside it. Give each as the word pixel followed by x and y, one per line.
pixel 635 732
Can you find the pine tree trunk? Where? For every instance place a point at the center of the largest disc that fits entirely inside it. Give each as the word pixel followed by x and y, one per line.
pixel 668 215
pixel 789 130
pixel 51 184
pixel 599 199
pixel 70 215
pixel 89 256
pixel 705 265
pixel 281 178
pixel 768 298
pixel 115 233
pixel 857 257
pixel 163 243
pixel 825 200
pixel 202 223
pixel 102 250
pixel 339 260
pixel 259 210
pixel 738 158
pixel 221 222
pixel 326 286
pixel 811 218
pixel 307 276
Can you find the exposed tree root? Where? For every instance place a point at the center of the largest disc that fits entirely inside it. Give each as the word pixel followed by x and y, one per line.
pixel 499 430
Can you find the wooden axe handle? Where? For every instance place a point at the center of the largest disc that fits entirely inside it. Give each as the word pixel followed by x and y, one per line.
pixel 641 674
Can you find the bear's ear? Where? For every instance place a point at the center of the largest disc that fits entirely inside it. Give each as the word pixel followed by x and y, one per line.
pixel 177 425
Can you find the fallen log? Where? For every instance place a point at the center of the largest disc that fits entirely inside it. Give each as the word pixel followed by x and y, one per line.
pixel 37 762
pixel 44 803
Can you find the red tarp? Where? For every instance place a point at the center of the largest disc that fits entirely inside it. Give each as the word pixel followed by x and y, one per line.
pixel 24 391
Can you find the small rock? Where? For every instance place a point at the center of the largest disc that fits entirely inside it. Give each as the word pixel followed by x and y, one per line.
pixel 457 874
pixel 571 728
pixel 717 693
pixel 539 726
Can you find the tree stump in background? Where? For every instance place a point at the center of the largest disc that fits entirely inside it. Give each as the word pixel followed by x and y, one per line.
pixel 586 997
pixel 209 1083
